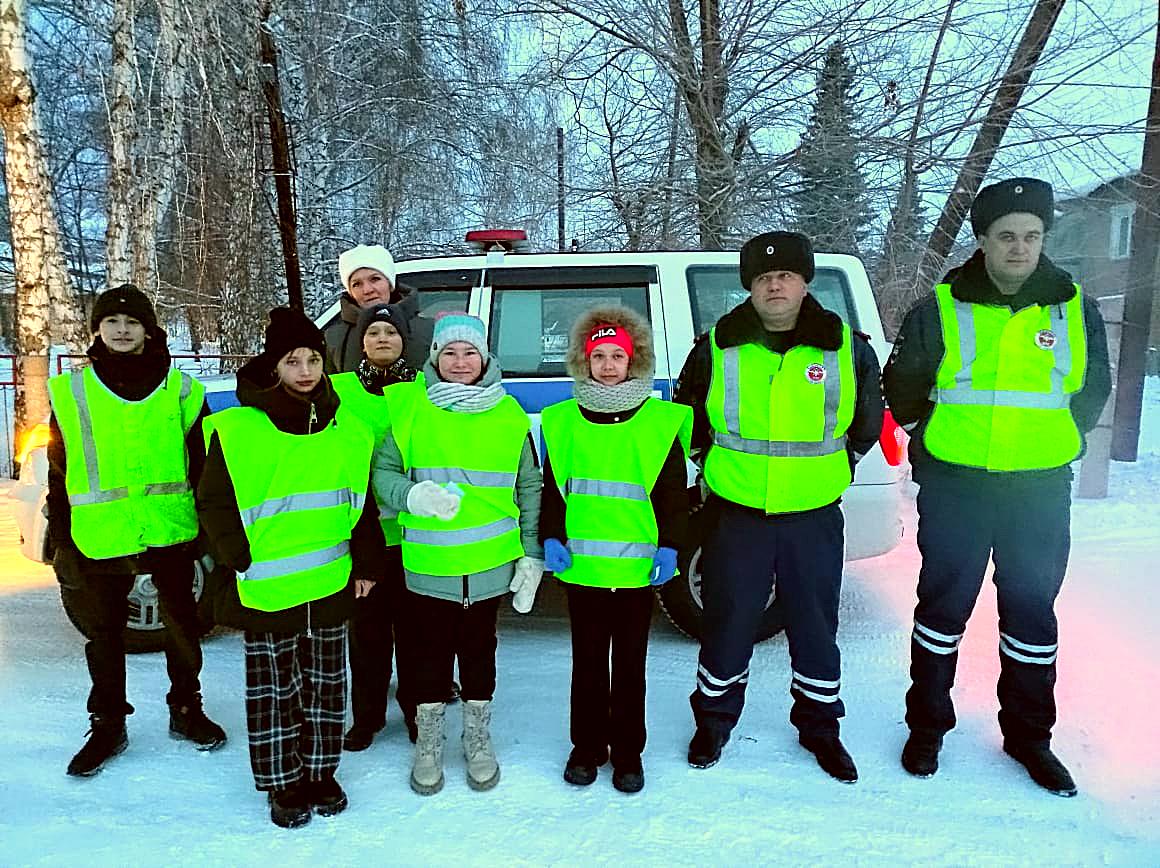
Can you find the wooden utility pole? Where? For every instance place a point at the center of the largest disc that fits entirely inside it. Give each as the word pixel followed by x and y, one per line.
pixel 560 189
pixel 990 135
pixel 280 150
pixel 1141 284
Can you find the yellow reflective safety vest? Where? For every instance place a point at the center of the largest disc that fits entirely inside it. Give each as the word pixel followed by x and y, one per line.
pixel 126 466
pixel 1002 393
pixel 779 425
pixel 299 497
pixel 372 409
pixel 480 452
pixel 606 474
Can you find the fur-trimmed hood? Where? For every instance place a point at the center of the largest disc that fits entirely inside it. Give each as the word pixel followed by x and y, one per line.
pixel 644 360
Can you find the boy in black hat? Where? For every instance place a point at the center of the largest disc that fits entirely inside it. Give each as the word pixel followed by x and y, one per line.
pixel 998 374
pixel 785 401
pixel 125 454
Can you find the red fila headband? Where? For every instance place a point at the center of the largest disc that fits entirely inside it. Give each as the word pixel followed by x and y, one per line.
pixel 606 333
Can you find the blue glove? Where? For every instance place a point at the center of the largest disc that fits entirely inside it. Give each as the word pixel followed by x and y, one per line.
pixel 556 557
pixel 664 566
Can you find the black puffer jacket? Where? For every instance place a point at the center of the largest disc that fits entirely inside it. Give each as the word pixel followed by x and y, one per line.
pixel 816 327
pixel 222 521
pixel 910 371
pixel 132 378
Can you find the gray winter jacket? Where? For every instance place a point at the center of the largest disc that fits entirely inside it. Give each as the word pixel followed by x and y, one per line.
pixel 392 485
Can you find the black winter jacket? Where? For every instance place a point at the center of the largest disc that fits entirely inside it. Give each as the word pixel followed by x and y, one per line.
pixel 910 371
pixel 670 500
pixel 816 327
pixel 220 516
pixel 133 378
pixel 343 344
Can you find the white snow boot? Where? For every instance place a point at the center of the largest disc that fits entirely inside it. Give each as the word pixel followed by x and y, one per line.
pixel 427 770
pixel 482 768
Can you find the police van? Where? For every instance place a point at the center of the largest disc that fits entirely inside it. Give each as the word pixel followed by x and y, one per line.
pixel 529 301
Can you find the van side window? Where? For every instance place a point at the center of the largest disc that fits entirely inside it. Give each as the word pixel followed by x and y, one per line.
pixel 714 290
pixel 441 291
pixel 533 309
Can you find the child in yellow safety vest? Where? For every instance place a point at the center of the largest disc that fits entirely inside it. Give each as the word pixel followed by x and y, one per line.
pixel 125 453
pixel 374 632
pixel 459 467
pixel 614 510
pixel 281 498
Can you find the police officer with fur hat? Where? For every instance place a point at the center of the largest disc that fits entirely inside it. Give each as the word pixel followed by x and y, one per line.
pixel 785 401
pixel 998 375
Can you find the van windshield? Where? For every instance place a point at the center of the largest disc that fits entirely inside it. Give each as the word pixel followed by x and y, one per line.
pixel 441 291
pixel 714 290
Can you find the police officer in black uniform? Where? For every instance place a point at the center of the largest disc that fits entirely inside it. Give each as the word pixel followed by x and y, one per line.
pixel 785 400
pixel 998 374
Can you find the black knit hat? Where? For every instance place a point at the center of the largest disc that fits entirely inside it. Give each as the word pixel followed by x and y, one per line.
pixel 1013 196
pixel 383 313
pixel 290 329
pixel 126 299
pixel 776 251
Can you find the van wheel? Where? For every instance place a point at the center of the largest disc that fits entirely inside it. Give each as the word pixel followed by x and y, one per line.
pixel 144 630
pixel 680 598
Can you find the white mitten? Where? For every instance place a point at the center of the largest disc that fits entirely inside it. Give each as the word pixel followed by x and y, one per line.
pixel 427 500
pixel 525 582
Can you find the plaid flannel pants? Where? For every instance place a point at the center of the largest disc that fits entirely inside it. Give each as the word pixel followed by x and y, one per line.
pixel 295 704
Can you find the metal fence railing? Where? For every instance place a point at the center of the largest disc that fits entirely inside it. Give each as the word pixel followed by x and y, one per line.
pixel 197 364
pixel 7 414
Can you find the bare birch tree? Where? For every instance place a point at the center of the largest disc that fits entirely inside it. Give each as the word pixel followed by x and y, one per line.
pixel 41 274
pixel 146 116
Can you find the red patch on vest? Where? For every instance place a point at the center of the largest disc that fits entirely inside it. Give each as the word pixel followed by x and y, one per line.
pixel 815 373
pixel 1045 339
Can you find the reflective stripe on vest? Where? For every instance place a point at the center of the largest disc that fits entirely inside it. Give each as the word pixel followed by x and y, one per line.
pixel 126 464
pixel 1003 389
pixel 299 502
pixel 299 497
pixel 779 424
pixel 282 567
pixel 606 473
pixel 477 478
pixel 480 453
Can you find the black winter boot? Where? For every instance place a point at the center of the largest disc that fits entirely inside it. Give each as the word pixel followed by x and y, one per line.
pixel 106 738
pixel 326 796
pixel 705 748
pixel 581 767
pixel 359 737
pixel 628 777
pixel 920 754
pixel 831 756
pixel 289 808
pixel 1043 766
pixel 187 722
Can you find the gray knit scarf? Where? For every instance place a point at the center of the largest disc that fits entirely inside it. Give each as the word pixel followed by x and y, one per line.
pixel 459 398
pixel 600 398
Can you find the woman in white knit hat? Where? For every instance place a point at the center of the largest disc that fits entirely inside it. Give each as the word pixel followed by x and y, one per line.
pixel 459 467
pixel 367 273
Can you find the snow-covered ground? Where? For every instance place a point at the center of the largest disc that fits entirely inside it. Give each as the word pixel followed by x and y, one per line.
pixel 765 803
